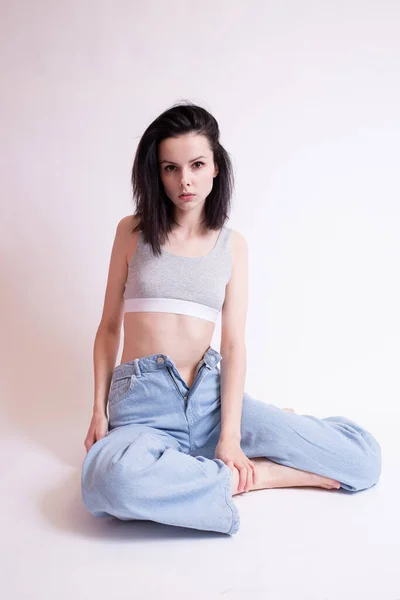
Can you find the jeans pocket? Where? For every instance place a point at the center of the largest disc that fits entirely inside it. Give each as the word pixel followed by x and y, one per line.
pixel 120 388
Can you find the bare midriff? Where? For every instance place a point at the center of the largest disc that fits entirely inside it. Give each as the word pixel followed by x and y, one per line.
pixel 183 338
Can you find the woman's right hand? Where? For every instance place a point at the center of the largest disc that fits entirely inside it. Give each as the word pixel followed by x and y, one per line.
pixel 98 429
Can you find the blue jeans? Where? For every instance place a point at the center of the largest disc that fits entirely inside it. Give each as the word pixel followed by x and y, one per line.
pixel 156 461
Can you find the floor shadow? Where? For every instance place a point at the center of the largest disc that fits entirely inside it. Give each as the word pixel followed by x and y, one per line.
pixel 63 508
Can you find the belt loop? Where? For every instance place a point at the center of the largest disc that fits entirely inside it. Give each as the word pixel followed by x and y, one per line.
pixel 212 358
pixel 136 367
pixel 209 364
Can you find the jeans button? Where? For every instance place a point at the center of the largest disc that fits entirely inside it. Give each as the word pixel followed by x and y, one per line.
pixel 160 360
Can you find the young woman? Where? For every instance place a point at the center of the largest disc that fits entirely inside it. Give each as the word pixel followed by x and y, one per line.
pixel 182 436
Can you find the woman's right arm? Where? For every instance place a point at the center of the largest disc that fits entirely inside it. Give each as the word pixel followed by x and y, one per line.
pixel 105 352
pixel 104 357
pixel 108 335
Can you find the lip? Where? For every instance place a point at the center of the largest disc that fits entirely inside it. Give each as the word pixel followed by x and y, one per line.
pixel 186 196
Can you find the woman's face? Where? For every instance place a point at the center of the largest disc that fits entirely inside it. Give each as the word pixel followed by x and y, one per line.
pixel 186 165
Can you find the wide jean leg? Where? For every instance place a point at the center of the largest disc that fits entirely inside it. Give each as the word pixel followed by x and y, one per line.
pixel 144 467
pixel 157 460
pixel 333 447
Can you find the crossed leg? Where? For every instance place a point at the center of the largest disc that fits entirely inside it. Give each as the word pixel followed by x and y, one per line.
pixel 271 475
pixel 291 450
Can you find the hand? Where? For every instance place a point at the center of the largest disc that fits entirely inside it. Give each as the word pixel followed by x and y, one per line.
pixel 98 429
pixel 229 451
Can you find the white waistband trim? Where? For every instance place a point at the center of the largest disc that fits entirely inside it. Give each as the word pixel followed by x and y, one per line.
pixel 171 305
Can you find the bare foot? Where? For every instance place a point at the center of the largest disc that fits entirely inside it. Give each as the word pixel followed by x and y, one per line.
pixel 271 475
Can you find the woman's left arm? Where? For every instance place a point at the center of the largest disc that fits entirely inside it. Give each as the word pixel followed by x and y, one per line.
pixel 233 374
pixel 233 365
pixel 233 347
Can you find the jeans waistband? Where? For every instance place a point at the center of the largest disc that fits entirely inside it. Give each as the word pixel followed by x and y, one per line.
pixel 153 362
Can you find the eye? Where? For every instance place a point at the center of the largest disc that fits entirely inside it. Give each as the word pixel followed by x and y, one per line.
pixel 167 168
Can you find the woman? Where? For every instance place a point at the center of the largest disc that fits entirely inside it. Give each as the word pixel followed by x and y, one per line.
pixel 182 437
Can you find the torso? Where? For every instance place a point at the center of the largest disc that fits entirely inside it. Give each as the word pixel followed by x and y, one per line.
pixel 183 338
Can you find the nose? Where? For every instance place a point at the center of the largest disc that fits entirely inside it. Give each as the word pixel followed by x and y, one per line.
pixel 185 178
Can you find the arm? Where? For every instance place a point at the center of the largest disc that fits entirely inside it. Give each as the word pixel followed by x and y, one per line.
pixel 105 352
pixel 233 348
pixel 108 335
pixel 233 373
pixel 107 339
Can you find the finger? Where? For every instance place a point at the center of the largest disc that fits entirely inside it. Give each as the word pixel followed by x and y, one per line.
pixel 89 442
pixel 231 465
pixel 242 478
pixel 250 477
pixel 245 478
pixel 255 474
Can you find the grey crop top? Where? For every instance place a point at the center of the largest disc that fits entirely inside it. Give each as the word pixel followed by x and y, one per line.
pixel 187 285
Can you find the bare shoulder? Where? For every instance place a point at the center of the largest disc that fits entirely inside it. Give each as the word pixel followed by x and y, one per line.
pixel 127 223
pixel 128 238
pixel 239 245
pixel 234 309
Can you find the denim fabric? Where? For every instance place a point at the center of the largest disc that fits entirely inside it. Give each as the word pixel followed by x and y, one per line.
pixel 157 460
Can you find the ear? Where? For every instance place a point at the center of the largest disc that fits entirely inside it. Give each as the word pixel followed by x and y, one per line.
pixel 216 170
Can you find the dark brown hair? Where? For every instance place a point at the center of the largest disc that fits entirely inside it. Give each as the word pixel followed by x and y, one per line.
pixel 153 207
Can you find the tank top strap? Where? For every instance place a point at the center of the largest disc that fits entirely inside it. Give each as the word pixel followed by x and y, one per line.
pixel 142 249
pixel 222 243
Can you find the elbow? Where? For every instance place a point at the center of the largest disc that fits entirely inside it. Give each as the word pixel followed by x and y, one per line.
pixel 233 349
pixel 109 329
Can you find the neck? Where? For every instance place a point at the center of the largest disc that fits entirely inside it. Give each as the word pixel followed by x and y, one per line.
pixel 189 227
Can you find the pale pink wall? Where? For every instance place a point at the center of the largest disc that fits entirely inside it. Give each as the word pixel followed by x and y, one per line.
pixel 307 98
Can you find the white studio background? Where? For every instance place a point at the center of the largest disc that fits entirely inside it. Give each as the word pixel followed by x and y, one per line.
pixel 307 97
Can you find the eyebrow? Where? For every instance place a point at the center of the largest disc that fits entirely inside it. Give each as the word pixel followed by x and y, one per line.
pixel 172 163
